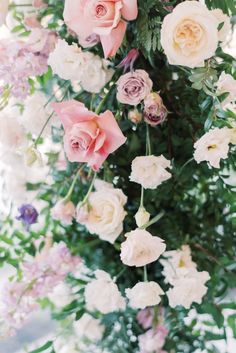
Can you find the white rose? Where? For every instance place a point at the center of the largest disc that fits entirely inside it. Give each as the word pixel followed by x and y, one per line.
pixel 222 18
pixel 89 327
pixel 102 294
pixel 144 294
pixel 189 35
pixel 150 171
pixel 141 248
pixel 67 61
pixel 142 217
pixel 106 213
pixel 35 114
pixel 96 73
pixel 227 84
pixel 188 289
pixel 212 147
pixel 3 11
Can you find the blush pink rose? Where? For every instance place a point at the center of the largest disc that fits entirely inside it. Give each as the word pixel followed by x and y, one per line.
pixel 105 18
pixel 88 137
pixel 63 211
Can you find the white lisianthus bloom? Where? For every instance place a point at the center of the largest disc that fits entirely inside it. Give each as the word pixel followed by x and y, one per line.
pixel 188 289
pixel 189 34
pixel 222 18
pixel 106 213
pixel 89 327
pixel 150 171
pixel 177 263
pixel 96 73
pixel 67 61
pixel 227 84
pixel 3 11
pixel 36 113
pixel 142 217
pixel 61 295
pixel 212 147
pixel 102 294
pixel 144 294
pixel 141 248
pixel 12 134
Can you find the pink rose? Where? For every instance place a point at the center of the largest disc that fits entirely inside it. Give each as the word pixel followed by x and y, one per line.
pixel 133 87
pixel 88 137
pixel 64 211
pixel 105 18
pixel 154 112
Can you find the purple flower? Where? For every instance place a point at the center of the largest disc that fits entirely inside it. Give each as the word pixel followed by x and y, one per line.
pixel 28 215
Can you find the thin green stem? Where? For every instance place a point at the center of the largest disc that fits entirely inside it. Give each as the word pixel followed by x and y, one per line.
pixel 145 274
pixel 142 197
pixel 101 104
pixel 148 141
pixel 90 189
pixel 68 196
pixel 153 220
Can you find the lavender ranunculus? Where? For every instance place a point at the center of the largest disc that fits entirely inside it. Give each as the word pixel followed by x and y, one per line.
pixel 154 112
pixel 28 215
pixel 133 87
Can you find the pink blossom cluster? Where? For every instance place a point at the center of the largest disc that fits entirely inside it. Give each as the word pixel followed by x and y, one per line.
pixel 153 340
pixel 39 277
pixel 21 60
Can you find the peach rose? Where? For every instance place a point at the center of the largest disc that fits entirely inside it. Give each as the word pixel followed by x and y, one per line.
pixel 88 137
pixel 105 18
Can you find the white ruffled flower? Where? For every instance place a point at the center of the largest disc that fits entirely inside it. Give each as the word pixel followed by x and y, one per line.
pixel 35 114
pixel 188 289
pixel 177 263
pixel 222 18
pixel 144 294
pixel 96 73
pixel 150 171
pixel 3 11
pixel 141 248
pixel 102 294
pixel 212 147
pixel 106 213
pixel 12 135
pixel 89 327
pixel 67 61
pixel 189 34
pixel 227 84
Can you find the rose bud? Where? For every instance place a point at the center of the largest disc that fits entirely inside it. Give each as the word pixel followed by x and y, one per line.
pixel 142 217
pixel 154 112
pixel 135 116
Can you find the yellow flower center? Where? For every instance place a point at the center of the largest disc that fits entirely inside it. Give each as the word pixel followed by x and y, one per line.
pixel 188 36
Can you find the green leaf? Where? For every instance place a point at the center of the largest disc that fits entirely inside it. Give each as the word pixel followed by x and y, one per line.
pixel 43 348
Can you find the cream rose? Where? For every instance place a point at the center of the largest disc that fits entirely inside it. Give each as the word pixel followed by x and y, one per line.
pixel 141 248
pixel 189 34
pixel 222 18
pixel 102 294
pixel 227 84
pixel 144 294
pixel 106 213
pixel 150 171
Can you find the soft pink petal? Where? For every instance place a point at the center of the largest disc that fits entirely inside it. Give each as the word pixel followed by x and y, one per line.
pixel 130 10
pixel 97 159
pixel 75 19
pixel 112 42
pixel 114 135
pixel 72 112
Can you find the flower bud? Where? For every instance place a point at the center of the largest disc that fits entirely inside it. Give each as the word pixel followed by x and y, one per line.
pixel 142 217
pixel 82 212
pixel 135 116
pixel 155 112
pixel 32 155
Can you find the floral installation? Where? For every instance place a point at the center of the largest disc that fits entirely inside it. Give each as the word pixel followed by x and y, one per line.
pixel 118 165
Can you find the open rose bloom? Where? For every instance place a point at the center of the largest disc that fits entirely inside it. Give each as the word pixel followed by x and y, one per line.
pixel 105 18
pixel 88 137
